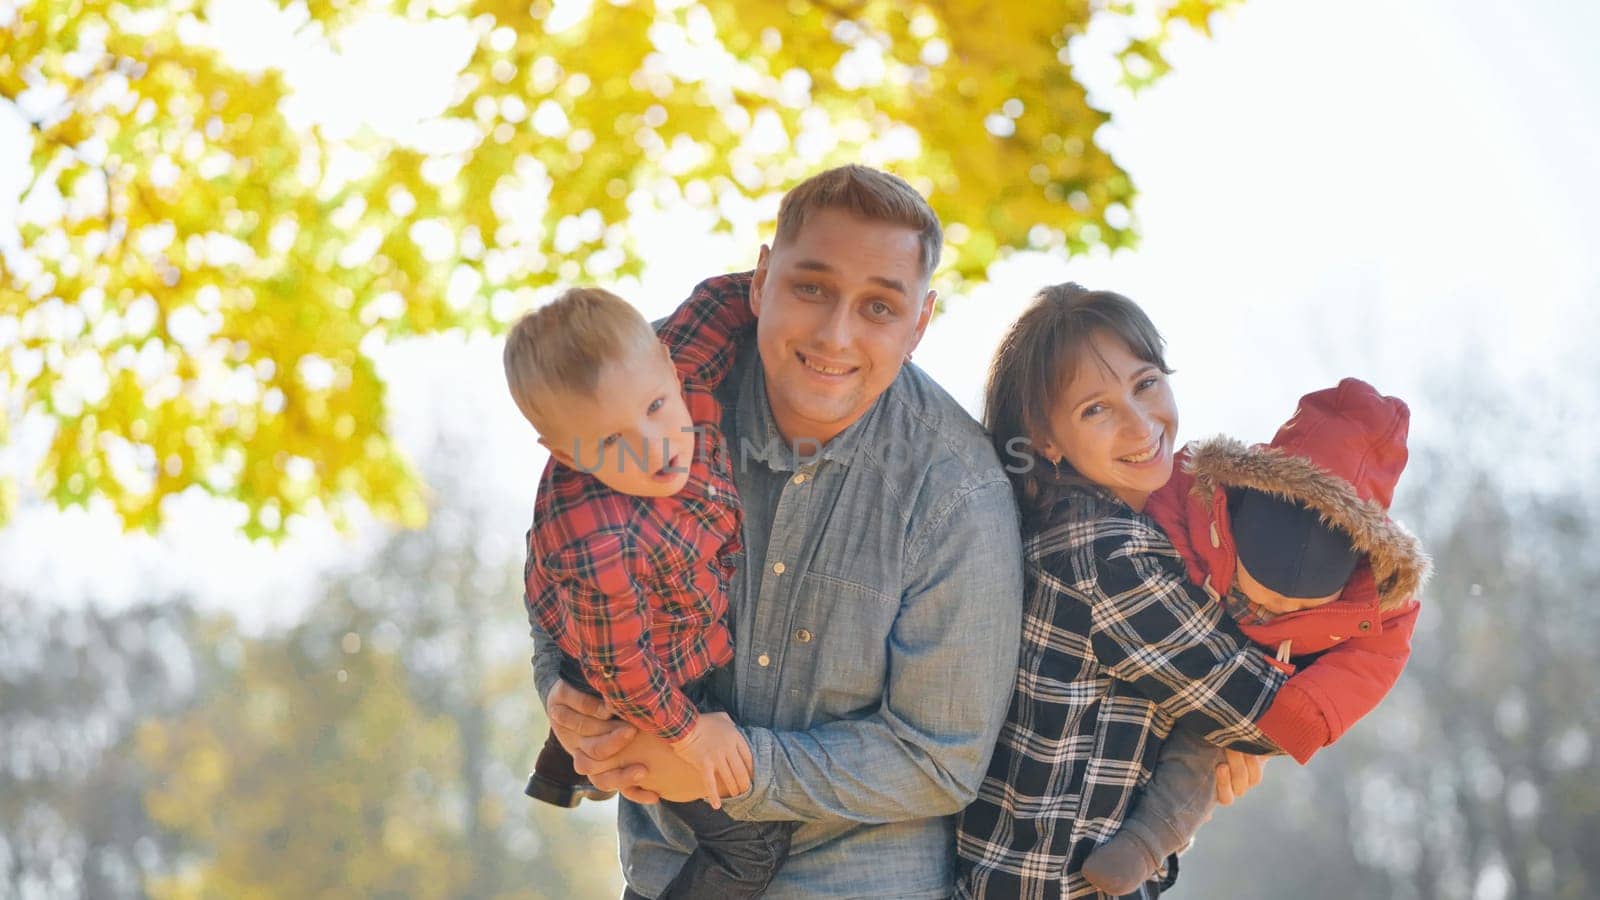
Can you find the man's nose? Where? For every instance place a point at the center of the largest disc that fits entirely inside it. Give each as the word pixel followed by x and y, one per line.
pixel 833 332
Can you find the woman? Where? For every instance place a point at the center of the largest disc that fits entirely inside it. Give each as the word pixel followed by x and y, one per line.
pixel 1117 645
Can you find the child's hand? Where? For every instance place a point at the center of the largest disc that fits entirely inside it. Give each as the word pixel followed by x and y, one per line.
pixel 1238 774
pixel 717 750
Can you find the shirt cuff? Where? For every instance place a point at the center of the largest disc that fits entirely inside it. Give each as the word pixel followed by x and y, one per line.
pixel 762 746
pixel 679 729
pixel 544 681
pixel 1295 723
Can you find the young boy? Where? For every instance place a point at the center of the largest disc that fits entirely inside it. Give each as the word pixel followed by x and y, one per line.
pixel 1294 539
pixel 635 527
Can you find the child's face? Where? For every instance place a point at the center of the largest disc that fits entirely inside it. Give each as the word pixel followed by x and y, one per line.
pixel 1271 600
pixel 634 434
pixel 1115 422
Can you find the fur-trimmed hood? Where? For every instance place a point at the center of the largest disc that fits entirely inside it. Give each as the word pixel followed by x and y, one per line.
pixel 1340 454
pixel 1399 565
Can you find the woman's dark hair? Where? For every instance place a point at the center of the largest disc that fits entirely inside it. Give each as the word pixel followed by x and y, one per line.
pixel 1031 370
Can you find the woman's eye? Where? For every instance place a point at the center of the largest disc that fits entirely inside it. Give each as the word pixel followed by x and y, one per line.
pixel 610 439
pixel 1150 382
pixel 1093 410
pixel 656 404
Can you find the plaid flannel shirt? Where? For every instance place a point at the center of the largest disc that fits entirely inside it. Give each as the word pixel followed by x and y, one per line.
pixel 635 588
pixel 1117 647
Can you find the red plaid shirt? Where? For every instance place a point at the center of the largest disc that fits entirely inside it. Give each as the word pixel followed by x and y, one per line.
pixel 635 588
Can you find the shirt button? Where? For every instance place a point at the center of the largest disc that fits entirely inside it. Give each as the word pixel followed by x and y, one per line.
pixel 1365 626
pixel 779 569
pixel 799 479
pixel 803 636
pixel 763 660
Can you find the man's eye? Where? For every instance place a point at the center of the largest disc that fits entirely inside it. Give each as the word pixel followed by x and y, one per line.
pixel 1093 410
pixel 808 289
pixel 610 439
pixel 880 309
pixel 656 404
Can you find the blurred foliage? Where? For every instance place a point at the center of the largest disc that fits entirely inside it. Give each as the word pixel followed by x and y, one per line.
pixel 307 771
pixel 74 686
pixel 377 748
pixel 196 277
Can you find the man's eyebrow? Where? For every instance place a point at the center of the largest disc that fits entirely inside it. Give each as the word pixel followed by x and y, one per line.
pixel 817 265
pixel 893 284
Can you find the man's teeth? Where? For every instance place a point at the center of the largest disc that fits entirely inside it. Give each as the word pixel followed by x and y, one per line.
pixel 1146 456
pixel 826 370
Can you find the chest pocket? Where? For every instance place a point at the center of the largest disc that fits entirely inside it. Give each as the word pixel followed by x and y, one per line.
pixel 838 644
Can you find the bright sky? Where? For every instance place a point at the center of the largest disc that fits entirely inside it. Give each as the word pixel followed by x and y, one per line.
pixel 1402 191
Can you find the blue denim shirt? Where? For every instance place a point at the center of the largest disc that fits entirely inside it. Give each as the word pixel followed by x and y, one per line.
pixel 877 613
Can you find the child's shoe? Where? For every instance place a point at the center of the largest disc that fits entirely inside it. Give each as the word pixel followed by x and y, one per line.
pixel 1121 864
pixel 555 781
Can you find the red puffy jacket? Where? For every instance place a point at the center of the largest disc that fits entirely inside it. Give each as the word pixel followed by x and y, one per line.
pixel 1341 454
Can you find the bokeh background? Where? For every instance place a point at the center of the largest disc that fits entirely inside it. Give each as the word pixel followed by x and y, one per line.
pixel 290 659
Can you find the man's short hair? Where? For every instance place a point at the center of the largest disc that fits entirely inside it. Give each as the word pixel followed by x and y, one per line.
pixel 561 347
pixel 867 193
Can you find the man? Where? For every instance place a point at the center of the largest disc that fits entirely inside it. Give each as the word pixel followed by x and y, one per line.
pixel 877 607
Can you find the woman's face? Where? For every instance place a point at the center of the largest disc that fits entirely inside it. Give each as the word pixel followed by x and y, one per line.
pixel 1115 421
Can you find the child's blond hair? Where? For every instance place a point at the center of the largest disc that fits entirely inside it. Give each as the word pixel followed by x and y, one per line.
pixel 560 347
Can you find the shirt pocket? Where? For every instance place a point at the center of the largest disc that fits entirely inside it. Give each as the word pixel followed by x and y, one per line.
pixel 840 635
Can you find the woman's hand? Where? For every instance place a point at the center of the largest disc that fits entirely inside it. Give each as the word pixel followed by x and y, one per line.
pixel 1238 773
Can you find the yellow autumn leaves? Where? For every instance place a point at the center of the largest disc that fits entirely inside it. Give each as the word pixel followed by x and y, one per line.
pixel 195 280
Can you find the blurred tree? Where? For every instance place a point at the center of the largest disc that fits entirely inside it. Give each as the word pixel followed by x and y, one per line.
pixel 195 279
pixel 306 771
pixel 379 747
pixel 74 686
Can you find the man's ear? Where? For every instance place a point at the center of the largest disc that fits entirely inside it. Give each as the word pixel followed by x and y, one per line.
pixel 560 456
pixel 924 316
pixel 758 281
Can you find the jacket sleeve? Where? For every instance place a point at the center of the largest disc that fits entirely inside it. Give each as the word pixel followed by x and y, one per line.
pixel 1320 703
pixel 611 618
pixel 701 333
pixel 1151 628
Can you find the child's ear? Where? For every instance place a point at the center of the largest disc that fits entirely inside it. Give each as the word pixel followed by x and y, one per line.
pixel 560 456
pixel 666 355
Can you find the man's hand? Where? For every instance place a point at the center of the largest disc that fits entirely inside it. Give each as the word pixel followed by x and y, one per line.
pixel 716 749
pixel 1237 774
pixel 646 771
pixel 584 724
